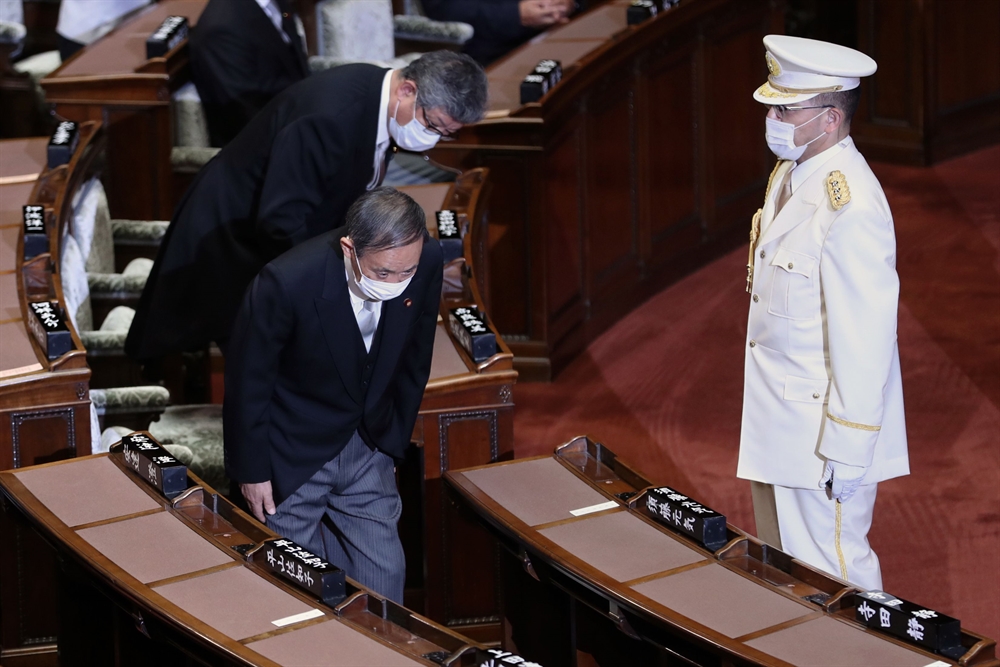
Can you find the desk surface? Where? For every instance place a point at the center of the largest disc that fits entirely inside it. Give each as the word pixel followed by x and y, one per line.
pixel 123 51
pixel 666 578
pixel 21 161
pixel 174 559
pixel 568 44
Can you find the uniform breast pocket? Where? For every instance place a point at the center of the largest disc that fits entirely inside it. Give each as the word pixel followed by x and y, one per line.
pixel 795 285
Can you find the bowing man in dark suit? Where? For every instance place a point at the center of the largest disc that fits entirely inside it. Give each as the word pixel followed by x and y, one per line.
pixel 327 366
pixel 288 176
pixel 243 53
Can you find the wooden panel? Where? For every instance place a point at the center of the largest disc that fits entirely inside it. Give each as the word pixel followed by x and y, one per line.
pixel 667 171
pixel 563 241
pixel 967 67
pixel 610 212
pixel 738 154
pixel 937 90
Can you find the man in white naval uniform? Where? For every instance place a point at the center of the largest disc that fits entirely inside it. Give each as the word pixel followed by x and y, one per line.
pixel 823 402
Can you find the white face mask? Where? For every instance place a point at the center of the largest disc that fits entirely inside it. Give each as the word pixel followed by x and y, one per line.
pixel 413 136
pixel 375 290
pixel 780 137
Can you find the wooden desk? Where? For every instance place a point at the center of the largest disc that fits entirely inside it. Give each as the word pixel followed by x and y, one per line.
pixel 619 585
pixel 644 160
pixel 112 81
pixel 465 419
pixel 148 581
pixel 44 403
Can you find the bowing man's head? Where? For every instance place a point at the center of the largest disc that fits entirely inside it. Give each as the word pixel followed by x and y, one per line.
pixel 385 236
pixel 433 97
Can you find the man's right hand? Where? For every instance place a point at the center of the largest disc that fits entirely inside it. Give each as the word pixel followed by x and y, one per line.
pixel 543 13
pixel 259 498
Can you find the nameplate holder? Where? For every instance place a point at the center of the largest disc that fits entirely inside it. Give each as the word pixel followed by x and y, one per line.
pixel 36 241
pixel 48 326
pixel 469 327
pixel 551 69
pixel 449 234
pixel 171 32
pixel 154 464
pixel 687 516
pixel 641 10
pixel 910 622
pixel 63 143
pixel 303 569
pixel 495 657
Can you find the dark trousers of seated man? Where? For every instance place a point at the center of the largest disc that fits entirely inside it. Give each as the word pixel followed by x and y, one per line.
pixel 347 513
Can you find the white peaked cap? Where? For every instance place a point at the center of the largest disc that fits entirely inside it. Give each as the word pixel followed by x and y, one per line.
pixel 800 69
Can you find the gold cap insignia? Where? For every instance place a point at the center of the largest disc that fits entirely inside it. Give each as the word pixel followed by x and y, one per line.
pixel 836 188
pixel 772 65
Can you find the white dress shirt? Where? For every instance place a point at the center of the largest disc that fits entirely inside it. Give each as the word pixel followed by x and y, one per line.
pixel 358 305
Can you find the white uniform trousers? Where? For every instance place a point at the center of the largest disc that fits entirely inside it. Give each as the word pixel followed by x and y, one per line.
pixel 828 535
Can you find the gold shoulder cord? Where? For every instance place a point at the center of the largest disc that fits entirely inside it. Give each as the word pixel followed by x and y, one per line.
pixel 837 190
pixel 755 226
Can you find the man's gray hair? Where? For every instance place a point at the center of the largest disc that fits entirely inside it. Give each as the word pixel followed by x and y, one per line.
pixel 452 82
pixel 385 218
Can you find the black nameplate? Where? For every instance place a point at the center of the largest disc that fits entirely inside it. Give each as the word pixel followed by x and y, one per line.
pixel 469 328
pixel 495 657
pixel 49 328
pixel 36 241
pixel 304 569
pixel 171 32
pixel 154 464
pixel 449 235
pixel 551 69
pixel 641 10
pixel 910 622
pixel 533 88
pixel 688 516
pixel 63 143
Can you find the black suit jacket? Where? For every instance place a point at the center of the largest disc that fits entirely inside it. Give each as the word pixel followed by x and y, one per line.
pixel 239 62
pixel 299 381
pixel 289 176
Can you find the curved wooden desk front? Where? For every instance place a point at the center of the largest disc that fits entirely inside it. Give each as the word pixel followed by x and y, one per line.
pixel 647 158
pixel 466 419
pixel 145 580
pixel 44 403
pixel 614 580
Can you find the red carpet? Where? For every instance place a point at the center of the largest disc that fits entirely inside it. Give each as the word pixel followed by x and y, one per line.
pixel 663 389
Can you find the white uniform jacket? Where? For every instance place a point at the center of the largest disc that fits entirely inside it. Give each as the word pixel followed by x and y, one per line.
pixel 822 374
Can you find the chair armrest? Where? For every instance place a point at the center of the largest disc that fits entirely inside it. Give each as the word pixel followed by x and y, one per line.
pixel 190 159
pixel 103 341
pixel 139 231
pixel 117 400
pixel 422 29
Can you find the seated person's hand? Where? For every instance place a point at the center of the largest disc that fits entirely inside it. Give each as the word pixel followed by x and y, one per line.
pixel 544 13
pixel 260 499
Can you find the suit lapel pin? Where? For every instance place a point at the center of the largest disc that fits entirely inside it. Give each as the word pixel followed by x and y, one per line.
pixel 408 303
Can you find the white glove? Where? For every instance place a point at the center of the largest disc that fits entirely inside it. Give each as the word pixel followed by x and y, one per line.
pixel 843 479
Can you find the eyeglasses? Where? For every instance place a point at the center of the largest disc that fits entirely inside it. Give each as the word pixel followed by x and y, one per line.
pixel 780 109
pixel 443 134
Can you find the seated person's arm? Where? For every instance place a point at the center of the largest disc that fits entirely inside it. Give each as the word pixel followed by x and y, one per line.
pixel 503 20
pixel 262 330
